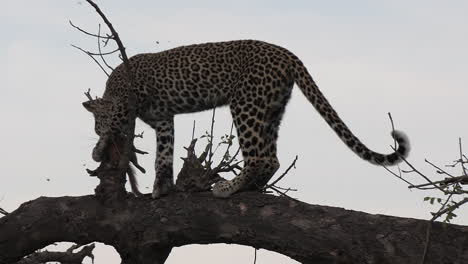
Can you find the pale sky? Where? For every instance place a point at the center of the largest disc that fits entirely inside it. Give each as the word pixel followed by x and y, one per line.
pixel 368 57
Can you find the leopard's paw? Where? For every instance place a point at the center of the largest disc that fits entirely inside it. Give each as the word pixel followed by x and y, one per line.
pixel 223 189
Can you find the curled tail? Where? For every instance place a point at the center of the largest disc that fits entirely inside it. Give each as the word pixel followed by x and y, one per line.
pixel 308 87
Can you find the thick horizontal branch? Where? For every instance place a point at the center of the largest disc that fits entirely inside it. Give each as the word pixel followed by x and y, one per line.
pixel 304 232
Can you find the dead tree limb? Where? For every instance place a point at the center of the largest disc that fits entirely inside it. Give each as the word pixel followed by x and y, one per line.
pixel 67 257
pixel 140 227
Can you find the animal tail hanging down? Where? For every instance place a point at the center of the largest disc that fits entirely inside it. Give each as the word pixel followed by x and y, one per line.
pixel 308 87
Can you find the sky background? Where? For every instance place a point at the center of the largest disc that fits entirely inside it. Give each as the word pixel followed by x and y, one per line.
pixel 369 58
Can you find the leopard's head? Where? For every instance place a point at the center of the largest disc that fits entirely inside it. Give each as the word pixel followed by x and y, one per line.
pixel 110 118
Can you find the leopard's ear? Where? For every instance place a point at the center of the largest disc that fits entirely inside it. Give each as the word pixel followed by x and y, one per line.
pixel 92 105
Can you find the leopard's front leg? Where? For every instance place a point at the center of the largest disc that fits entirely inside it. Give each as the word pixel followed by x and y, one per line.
pixel 164 181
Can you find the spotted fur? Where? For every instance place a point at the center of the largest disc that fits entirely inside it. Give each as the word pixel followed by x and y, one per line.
pixel 254 78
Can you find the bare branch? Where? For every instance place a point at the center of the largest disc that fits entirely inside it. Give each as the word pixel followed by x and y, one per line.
pixel 116 37
pixel 67 257
pixel 140 135
pixel 88 94
pixel 92 57
pixel 461 157
pixel 439 170
pixel 100 51
pixel 293 164
pixel 398 176
pixel 210 156
pixel 193 130
pixel 89 34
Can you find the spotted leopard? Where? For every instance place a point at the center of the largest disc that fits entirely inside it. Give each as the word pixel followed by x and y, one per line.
pixel 254 78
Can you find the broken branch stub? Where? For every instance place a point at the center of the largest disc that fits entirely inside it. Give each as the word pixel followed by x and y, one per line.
pixel 194 175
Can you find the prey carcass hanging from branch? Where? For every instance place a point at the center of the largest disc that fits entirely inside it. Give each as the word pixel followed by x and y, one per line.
pixel 117 148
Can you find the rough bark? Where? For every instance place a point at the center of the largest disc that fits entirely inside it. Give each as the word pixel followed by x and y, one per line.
pixel 141 228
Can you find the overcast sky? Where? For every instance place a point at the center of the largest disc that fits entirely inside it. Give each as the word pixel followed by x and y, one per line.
pixel 409 58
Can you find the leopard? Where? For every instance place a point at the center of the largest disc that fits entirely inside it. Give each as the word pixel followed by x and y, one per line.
pixel 253 78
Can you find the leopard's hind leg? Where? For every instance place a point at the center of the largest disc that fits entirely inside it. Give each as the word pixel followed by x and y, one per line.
pixel 257 117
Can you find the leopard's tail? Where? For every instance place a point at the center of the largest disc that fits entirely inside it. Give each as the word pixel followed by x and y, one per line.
pixel 308 87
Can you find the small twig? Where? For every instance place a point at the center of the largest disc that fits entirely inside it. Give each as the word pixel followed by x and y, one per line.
pixel 439 170
pixel 88 94
pixel 282 193
pixel 116 37
pixel 229 142
pixel 139 151
pixel 140 135
pixel 440 211
pixel 193 131
pixel 92 57
pixel 99 49
pixel 210 156
pixel 98 54
pixel 446 181
pixel 394 142
pixel 450 208
pixel 255 256
pixel 3 211
pixel 286 189
pixel 293 164
pixel 228 167
pixel 461 157
pixel 398 176
pixel 234 156
pixel 87 33
pixel 421 174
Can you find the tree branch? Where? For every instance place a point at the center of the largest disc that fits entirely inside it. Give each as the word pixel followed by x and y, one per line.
pixel 3 211
pixel 304 232
pixel 67 257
